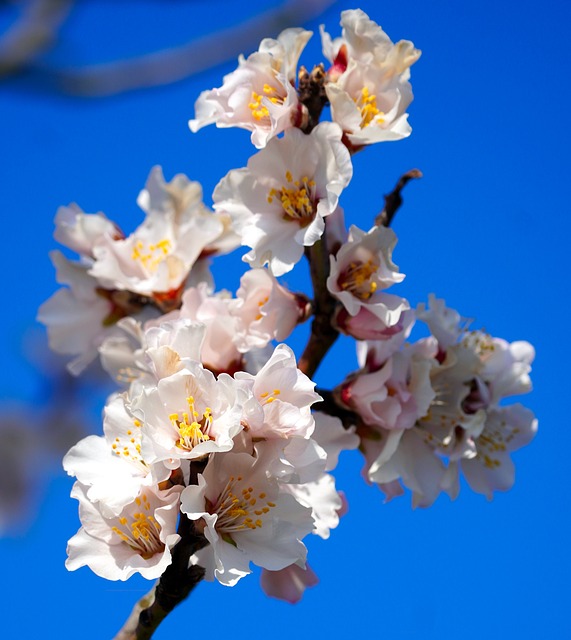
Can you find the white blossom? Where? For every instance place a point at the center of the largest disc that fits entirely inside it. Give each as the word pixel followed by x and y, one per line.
pixel 362 270
pixel 279 201
pixel 369 88
pixel 188 415
pixel 247 518
pixel 264 310
pixel 260 94
pixel 137 540
pixel 111 468
pixel 280 405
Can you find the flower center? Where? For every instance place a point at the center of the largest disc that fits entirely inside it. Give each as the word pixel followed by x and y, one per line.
pixel 239 508
pixel 367 103
pixel 141 531
pixel 151 256
pixel 297 200
pixel 269 398
pixel 356 279
pixel 259 110
pixel 130 447
pixel 261 303
pixel 192 428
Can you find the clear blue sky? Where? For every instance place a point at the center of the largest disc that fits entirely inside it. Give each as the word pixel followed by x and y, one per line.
pixel 487 228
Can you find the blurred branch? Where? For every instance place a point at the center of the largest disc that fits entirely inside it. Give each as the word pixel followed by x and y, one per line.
pixel 167 66
pixel 32 34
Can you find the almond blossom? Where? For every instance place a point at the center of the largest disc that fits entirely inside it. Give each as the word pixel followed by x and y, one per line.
pixel 217 429
pixel 111 469
pixel 259 95
pixel 362 270
pixel 281 397
pixel 152 351
pixel 137 540
pixel 396 395
pixel 218 351
pixel 369 86
pixel 188 415
pixel 81 231
pixel 247 517
pixel 279 201
pixel 181 199
pixel 78 317
pixel 463 428
pixel 265 310
pixel 506 430
pixel 156 259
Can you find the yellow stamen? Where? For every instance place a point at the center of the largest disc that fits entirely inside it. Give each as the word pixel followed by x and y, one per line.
pixel 260 111
pixel 151 257
pixel 356 279
pixel 298 202
pixel 367 103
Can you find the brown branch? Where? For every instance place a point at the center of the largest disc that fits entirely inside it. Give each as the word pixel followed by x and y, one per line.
pixel 176 583
pixel 323 334
pixel 394 199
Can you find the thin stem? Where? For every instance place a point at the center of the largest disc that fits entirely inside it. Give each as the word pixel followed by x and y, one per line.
pixel 323 333
pixel 393 200
pixel 176 583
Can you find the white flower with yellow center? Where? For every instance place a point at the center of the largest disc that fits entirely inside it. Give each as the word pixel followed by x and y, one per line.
pixel 264 310
pixel 369 88
pixel 157 257
pixel 362 270
pixel 259 95
pixel 188 415
pixel 281 398
pixel 279 201
pixel 246 517
pixel 181 201
pixel 111 468
pixel 137 540
pixel 506 429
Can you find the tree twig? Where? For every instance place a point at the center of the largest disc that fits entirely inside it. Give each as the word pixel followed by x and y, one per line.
pixel 323 334
pixel 176 583
pixel 394 199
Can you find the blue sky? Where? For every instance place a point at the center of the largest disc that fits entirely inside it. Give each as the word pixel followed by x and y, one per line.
pixel 487 229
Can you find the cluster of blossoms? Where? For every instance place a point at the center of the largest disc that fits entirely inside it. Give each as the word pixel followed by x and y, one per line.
pixel 216 429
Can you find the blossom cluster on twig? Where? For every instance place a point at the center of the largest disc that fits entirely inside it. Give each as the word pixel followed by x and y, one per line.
pixel 217 450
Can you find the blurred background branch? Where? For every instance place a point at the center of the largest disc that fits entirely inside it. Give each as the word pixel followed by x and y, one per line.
pixel 37 28
pixel 32 33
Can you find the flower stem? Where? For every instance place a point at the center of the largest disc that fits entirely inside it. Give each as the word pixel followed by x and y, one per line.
pixel 323 333
pixel 174 586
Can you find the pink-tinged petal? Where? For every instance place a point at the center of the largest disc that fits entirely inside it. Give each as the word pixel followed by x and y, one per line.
pixel 288 584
